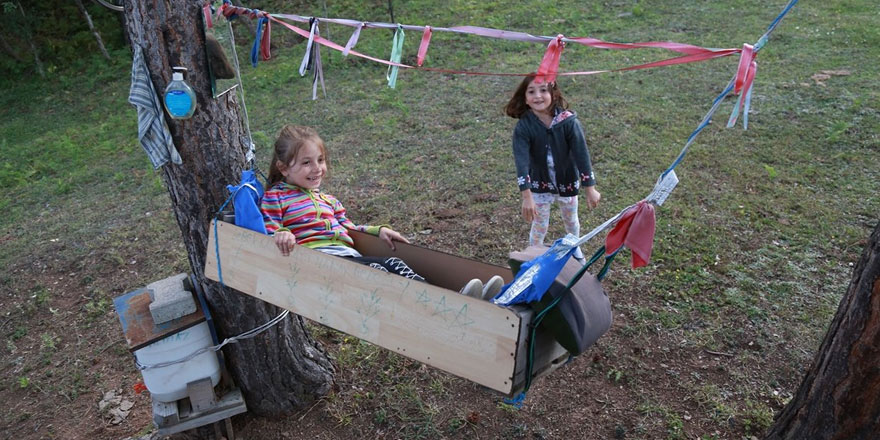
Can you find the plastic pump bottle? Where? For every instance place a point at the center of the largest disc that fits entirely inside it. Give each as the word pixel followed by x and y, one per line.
pixel 180 100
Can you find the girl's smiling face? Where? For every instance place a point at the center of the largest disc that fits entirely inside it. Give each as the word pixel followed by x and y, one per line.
pixel 308 167
pixel 538 97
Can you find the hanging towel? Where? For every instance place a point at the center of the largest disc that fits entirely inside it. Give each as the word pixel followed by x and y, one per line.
pixel 152 131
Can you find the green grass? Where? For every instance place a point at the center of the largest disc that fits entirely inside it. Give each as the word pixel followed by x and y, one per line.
pixel 752 253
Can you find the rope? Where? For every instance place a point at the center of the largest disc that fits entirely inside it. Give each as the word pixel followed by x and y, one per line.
pixel 716 103
pixel 232 340
pixel 518 400
pixel 730 86
pixel 250 156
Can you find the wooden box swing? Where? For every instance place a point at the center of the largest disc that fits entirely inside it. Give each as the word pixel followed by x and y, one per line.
pixel 426 321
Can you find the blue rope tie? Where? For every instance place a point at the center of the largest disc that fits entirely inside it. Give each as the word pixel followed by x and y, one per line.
pixel 255 49
pixel 717 102
pixel 516 401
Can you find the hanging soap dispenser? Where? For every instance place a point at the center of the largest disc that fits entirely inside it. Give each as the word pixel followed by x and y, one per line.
pixel 180 100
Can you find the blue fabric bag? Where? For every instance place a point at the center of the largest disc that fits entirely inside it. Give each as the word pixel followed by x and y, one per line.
pixel 536 276
pixel 246 201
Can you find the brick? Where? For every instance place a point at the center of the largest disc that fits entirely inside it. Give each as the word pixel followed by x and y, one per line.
pixel 170 300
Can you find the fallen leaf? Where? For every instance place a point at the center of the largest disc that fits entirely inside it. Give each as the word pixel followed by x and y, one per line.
pixel 473 417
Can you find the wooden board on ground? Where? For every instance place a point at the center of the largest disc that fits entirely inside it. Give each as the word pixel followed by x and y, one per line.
pixel 468 337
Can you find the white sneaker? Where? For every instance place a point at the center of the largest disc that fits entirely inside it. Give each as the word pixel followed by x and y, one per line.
pixel 474 288
pixel 492 287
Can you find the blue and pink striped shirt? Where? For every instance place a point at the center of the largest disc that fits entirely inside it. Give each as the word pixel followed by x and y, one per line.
pixel 316 219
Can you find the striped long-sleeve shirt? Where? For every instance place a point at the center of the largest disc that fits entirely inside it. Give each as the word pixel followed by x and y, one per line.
pixel 316 219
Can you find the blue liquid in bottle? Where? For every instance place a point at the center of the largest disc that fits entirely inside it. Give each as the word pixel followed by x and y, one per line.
pixel 180 100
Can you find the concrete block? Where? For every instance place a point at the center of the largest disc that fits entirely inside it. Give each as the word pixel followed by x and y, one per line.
pixel 170 284
pixel 169 299
pixel 172 306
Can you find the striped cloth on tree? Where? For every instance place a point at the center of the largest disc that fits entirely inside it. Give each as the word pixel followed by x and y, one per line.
pixel 152 131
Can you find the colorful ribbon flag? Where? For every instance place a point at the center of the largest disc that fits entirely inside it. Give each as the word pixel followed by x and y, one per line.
pixel 396 55
pixel 635 230
pixel 307 58
pixel 265 41
pixel 353 39
pixel 206 12
pixel 742 85
pixel 550 63
pixel 258 41
pixel 423 46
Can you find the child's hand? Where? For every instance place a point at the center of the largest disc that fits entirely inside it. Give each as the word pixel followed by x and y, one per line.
pixel 529 209
pixel 285 240
pixel 389 236
pixel 593 196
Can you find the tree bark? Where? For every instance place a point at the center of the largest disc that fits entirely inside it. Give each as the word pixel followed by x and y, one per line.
pixel 97 35
pixel 283 368
pixel 840 396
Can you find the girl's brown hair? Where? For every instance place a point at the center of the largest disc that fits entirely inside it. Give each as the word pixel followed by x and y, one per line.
pixel 290 141
pixel 517 106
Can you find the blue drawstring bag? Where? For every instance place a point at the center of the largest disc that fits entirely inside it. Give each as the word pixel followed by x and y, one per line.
pixel 246 201
pixel 536 276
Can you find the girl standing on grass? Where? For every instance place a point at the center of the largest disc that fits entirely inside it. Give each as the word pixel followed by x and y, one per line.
pixel 551 156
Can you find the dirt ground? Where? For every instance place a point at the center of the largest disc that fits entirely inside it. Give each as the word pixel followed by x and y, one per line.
pixel 627 386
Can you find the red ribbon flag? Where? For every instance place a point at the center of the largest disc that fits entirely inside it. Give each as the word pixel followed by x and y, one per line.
pixel 635 229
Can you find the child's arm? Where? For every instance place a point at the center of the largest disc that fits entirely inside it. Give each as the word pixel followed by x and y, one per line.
pixel 529 209
pixel 272 218
pixel 593 196
pixel 388 235
pixel 284 241
pixel 521 158
pixel 581 154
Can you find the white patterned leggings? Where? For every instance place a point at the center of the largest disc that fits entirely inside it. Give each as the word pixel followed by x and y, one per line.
pixel 568 210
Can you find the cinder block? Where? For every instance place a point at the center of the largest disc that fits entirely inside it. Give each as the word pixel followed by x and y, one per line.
pixel 170 301
pixel 170 284
pixel 172 306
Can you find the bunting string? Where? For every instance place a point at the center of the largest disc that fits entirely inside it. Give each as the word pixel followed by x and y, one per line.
pixel 639 215
pixel 691 58
pixel 692 53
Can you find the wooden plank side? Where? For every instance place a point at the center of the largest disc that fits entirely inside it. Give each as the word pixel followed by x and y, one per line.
pixel 548 355
pixel 464 336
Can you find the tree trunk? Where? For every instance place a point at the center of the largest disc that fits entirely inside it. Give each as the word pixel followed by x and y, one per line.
pixel 88 18
pixel 840 396
pixel 282 368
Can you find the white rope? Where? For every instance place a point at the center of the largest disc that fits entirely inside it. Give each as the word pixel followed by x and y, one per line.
pixel 250 155
pixel 246 335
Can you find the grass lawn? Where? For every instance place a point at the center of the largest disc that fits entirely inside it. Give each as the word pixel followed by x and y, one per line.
pixel 752 253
